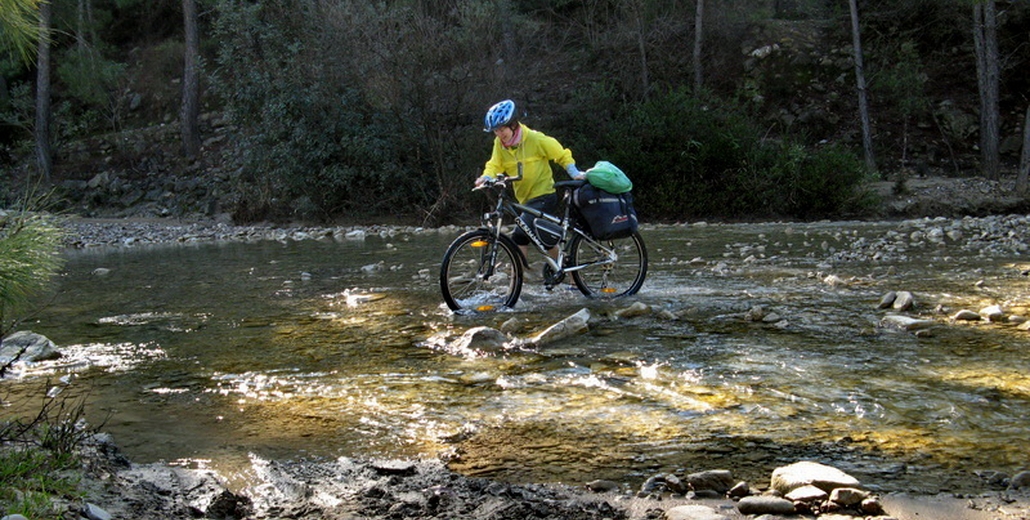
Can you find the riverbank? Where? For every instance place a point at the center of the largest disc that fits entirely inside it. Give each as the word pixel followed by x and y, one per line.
pixel 395 489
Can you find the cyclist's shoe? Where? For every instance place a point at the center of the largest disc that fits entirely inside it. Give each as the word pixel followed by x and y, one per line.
pixel 552 278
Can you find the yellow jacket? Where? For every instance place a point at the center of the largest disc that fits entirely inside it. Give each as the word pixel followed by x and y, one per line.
pixel 534 151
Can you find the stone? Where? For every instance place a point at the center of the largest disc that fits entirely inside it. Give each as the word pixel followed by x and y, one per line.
pixel 694 513
pixel 904 301
pixel 906 323
pixel 393 467
pixel 965 315
pixel 740 489
pixel 95 512
pixel 887 300
pixel 719 480
pixel 479 340
pixel 765 505
pixel 848 497
pixel 602 486
pixel 788 478
pixel 570 326
pixel 1021 480
pixel 807 494
pixel 992 313
pixel 871 506
pixel 637 309
pixel 27 346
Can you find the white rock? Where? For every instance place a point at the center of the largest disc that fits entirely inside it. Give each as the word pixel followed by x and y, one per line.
pixel 904 301
pixel 788 478
pixel 570 326
pixel 899 322
pixel 637 309
pixel 992 313
pixel 693 513
pixel 965 315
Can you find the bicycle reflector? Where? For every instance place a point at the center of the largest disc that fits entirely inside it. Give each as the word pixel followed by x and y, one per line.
pixel 609 290
pixel 480 243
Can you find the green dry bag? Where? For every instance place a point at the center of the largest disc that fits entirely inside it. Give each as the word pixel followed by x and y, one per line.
pixel 609 177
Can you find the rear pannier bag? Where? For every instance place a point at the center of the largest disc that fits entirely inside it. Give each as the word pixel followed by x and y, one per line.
pixel 605 215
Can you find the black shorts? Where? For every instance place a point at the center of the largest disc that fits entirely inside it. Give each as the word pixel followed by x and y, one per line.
pixel 546 203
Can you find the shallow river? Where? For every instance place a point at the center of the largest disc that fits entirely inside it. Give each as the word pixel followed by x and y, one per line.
pixel 207 355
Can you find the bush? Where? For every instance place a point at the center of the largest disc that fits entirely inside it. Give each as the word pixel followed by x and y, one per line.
pixel 30 245
pixel 38 457
pixel 310 147
pixel 689 157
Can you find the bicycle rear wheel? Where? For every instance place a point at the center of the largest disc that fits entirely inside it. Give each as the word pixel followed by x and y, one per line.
pixel 621 274
pixel 481 273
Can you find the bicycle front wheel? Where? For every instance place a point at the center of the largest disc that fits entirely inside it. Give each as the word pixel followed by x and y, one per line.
pixel 481 272
pixel 619 266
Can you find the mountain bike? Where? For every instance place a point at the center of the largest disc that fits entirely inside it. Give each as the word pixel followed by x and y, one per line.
pixel 483 270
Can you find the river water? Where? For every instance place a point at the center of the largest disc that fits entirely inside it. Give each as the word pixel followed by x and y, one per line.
pixel 764 347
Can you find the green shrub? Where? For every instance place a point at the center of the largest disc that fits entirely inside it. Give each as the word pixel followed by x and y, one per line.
pixel 30 245
pixel 310 147
pixel 689 156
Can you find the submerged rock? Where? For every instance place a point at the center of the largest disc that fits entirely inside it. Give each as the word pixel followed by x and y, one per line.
pixel 906 323
pixel 572 325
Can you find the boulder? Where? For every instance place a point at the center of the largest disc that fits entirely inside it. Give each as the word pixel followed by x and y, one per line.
pixel 765 505
pixel 807 494
pixel 693 513
pixel 992 313
pixel 570 326
pixel 904 301
pixel 478 340
pixel 637 309
pixel 719 480
pixel 788 478
pixel 27 346
pixel 965 315
pixel 906 323
pixel 848 497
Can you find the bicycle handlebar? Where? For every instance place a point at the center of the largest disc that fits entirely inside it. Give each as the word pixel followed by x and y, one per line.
pixel 501 179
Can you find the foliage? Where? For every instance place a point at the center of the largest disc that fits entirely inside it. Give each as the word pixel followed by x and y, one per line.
pixel 30 244
pixel 92 81
pixel 19 27
pixel 310 147
pixel 38 456
pixel 691 156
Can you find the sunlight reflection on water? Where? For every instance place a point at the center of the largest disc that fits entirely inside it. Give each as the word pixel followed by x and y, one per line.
pixel 319 348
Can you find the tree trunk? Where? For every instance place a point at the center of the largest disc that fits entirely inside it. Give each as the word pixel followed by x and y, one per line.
pixel 1024 160
pixel 698 41
pixel 863 101
pixel 645 77
pixel 985 43
pixel 44 156
pixel 190 113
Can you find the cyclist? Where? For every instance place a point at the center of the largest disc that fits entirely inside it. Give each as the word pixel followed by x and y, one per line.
pixel 515 144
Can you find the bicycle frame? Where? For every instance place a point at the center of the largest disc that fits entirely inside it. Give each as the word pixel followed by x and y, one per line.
pixel 494 222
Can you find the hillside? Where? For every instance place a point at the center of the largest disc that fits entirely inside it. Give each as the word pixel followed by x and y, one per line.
pixel 351 115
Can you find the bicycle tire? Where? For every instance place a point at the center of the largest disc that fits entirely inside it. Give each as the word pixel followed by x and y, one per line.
pixel 625 277
pixel 470 283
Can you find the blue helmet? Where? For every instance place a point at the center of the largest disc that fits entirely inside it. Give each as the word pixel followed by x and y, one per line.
pixel 499 115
